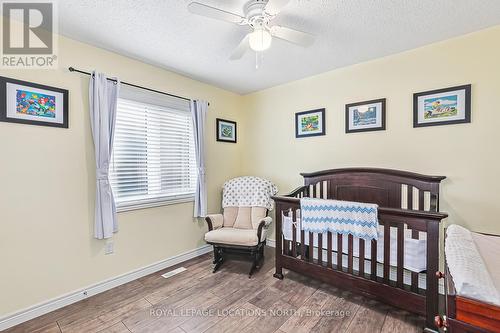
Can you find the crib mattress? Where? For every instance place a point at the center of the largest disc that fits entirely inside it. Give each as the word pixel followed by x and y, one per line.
pixel 472 260
pixel 414 249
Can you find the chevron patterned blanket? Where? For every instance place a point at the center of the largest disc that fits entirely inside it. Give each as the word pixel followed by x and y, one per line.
pixel 343 217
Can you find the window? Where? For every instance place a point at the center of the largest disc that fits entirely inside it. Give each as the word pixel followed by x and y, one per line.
pixel 153 160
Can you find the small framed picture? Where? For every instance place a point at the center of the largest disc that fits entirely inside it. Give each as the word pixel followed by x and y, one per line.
pixel 226 130
pixel 442 107
pixel 33 104
pixel 310 123
pixel 365 116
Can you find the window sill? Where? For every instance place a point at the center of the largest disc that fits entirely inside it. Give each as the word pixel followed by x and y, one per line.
pixel 126 207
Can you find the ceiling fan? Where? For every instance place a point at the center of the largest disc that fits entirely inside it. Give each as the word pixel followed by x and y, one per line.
pixel 258 15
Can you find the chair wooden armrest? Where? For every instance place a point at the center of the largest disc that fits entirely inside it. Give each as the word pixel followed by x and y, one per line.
pixel 264 224
pixel 214 221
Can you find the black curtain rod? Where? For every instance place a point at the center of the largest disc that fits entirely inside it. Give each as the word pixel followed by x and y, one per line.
pixel 72 69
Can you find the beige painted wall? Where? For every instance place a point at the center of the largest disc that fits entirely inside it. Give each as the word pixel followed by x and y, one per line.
pixel 47 188
pixel 467 154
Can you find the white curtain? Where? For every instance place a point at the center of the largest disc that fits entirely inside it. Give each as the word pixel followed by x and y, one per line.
pixel 199 112
pixel 103 98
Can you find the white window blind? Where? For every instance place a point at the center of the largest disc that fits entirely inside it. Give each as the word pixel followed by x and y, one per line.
pixel 153 158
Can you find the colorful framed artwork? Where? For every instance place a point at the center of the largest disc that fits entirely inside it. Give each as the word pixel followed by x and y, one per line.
pixel 442 107
pixel 226 130
pixel 365 116
pixel 33 104
pixel 310 123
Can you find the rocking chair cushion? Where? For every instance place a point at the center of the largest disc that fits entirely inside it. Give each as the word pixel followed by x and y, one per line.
pixel 244 218
pixel 230 214
pixel 233 236
pixel 248 217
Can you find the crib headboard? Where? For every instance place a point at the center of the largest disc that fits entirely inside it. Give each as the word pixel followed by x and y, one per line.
pixel 385 187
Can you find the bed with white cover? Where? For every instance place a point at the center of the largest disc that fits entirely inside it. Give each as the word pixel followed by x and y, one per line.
pixel 472 281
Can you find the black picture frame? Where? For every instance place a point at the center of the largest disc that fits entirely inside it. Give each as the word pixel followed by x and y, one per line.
pixel 373 101
pixel 218 122
pixel 467 114
pixel 4 106
pixel 323 127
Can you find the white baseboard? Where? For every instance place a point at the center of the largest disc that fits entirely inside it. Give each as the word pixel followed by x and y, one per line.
pixel 75 296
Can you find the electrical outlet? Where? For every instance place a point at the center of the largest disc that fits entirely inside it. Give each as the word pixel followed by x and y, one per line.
pixel 109 248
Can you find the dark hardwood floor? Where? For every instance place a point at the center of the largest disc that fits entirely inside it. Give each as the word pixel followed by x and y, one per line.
pixel 198 301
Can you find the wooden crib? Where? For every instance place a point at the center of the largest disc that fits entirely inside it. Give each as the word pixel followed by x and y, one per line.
pixel 406 201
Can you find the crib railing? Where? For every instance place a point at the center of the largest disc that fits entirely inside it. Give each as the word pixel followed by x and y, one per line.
pixel 327 264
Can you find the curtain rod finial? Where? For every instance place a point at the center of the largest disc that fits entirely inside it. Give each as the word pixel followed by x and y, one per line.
pixel 71 69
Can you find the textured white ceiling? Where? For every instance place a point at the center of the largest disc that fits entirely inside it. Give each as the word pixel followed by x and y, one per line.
pixel 164 33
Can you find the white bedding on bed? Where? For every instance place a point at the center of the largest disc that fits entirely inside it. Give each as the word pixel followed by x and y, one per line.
pixel 414 249
pixel 469 263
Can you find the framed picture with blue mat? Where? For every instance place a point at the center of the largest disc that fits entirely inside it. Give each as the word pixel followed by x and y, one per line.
pixel 442 107
pixel 365 116
pixel 310 123
pixel 33 104
pixel 226 130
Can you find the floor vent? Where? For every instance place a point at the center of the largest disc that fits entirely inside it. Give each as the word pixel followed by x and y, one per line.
pixel 174 272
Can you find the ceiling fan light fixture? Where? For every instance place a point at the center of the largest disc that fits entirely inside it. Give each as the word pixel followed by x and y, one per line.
pixel 260 39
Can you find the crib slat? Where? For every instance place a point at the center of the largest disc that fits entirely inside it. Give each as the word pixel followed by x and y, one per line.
pixel 321 190
pixel 421 200
pixel 294 233
pixel 314 191
pixel 409 204
pixel 311 246
pixel 329 250
pixel 339 252
pixel 361 257
pixel 349 253
pixel 286 246
pixel 284 242
pixel 320 249
pixel 387 251
pixel 414 275
pixel 302 245
pixel 400 251
pixel 373 260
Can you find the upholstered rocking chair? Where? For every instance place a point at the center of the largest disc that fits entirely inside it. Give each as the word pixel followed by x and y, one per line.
pixel 242 227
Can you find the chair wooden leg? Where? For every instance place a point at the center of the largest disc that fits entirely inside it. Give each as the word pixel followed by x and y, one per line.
pixel 215 255
pixel 218 258
pixel 217 265
pixel 255 255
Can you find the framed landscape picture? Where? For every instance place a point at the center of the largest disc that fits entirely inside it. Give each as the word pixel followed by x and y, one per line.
pixel 365 116
pixel 33 104
pixel 442 107
pixel 310 123
pixel 226 130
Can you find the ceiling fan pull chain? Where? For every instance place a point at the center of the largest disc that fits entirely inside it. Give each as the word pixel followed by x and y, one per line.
pixel 259 59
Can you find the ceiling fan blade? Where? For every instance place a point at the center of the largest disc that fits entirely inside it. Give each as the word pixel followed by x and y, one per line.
pixel 292 35
pixel 273 7
pixel 215 13
pixel 240 50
